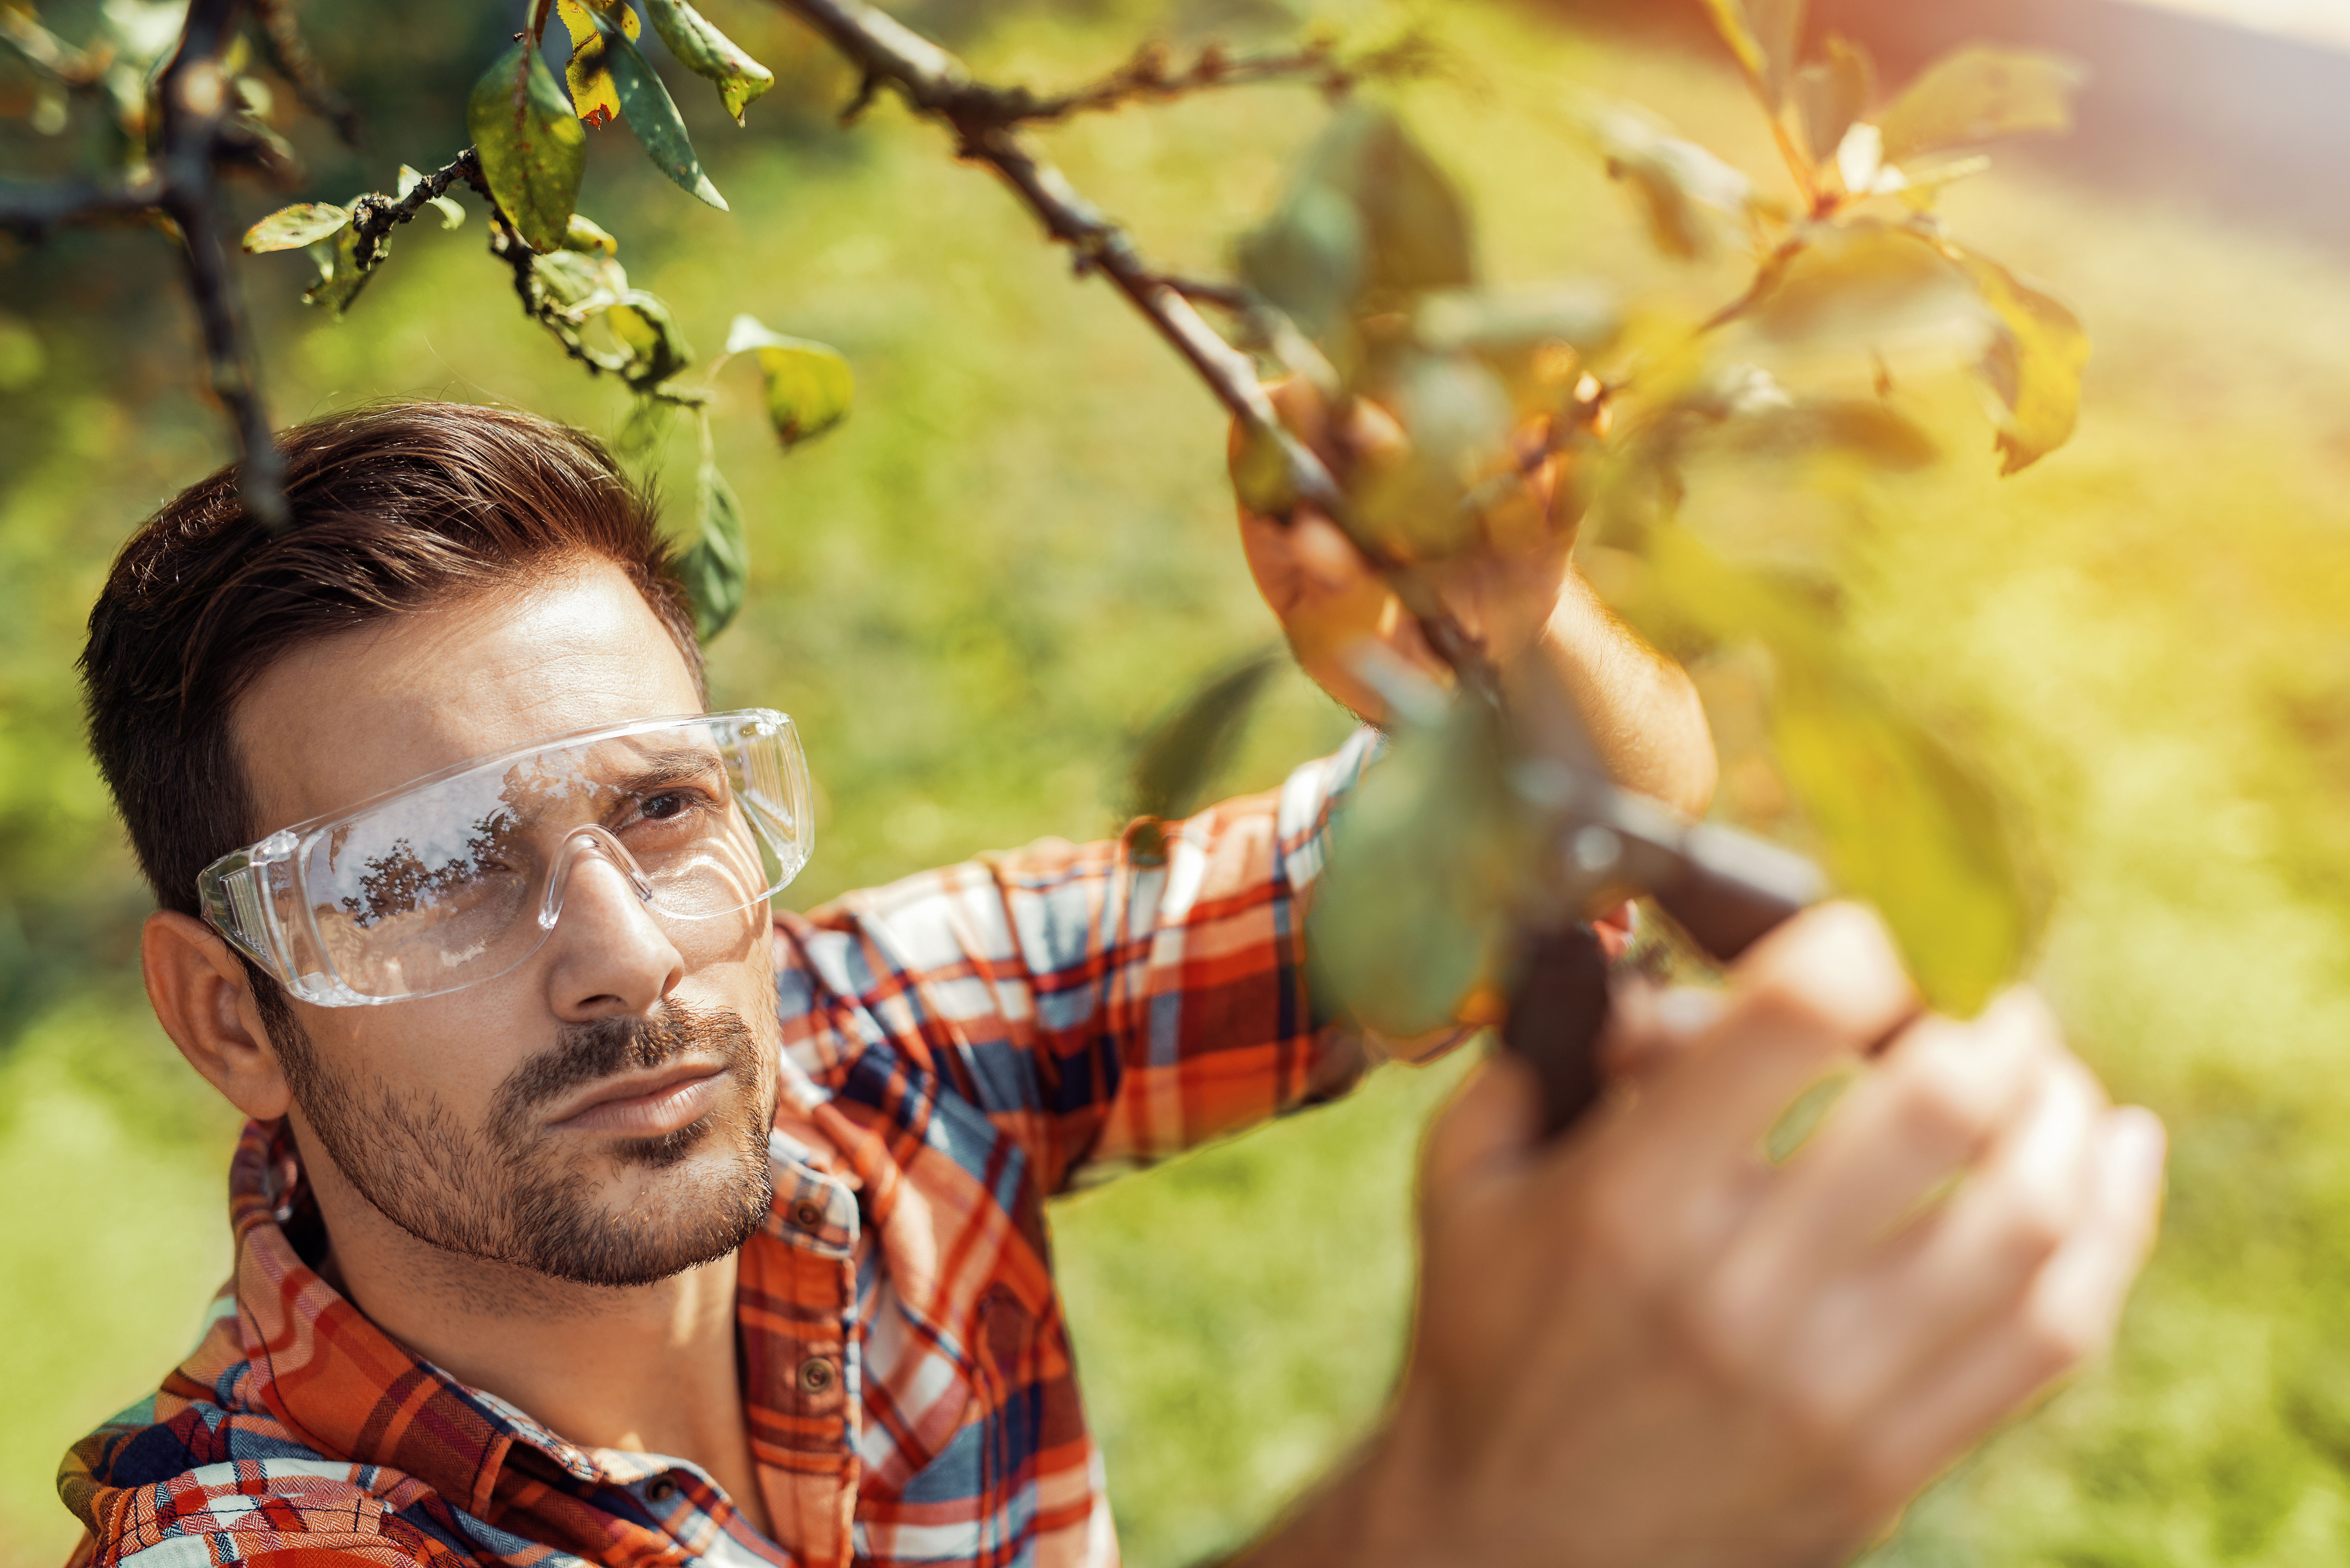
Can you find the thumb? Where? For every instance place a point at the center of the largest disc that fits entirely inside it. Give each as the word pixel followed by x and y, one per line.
pixel 1492 1124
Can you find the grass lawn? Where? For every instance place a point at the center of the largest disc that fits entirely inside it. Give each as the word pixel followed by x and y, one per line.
pixel 1020 547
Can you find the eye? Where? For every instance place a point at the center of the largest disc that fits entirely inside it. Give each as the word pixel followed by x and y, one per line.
pixel 666 807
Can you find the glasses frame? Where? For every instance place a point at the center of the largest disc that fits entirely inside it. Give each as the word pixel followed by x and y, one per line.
pixel 241 893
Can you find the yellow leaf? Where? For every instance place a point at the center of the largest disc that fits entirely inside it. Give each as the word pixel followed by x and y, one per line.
pixel 1979 95
pixel 291 228
pixel 589 74
pixel 809 386
pixel 2034 363
pixel 707 52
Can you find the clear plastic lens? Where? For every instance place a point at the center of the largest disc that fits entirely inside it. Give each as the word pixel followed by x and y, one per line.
pixel 459 878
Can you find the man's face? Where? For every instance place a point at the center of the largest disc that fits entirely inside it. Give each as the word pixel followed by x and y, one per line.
pixel 600 1113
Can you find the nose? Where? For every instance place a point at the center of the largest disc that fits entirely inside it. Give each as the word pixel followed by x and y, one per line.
pixel 611 956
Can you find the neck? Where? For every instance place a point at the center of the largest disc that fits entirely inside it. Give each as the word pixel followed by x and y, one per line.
pixel 645 1369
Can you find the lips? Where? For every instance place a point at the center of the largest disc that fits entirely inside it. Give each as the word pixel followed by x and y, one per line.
pixel 652 1106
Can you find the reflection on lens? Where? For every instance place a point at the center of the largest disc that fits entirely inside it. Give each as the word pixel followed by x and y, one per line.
pixel 456 879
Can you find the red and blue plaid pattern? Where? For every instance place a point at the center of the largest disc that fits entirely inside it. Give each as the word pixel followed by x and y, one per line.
pixel 958 1048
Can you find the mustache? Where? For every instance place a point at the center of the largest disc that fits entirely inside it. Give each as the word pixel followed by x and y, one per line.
pixel 586 1054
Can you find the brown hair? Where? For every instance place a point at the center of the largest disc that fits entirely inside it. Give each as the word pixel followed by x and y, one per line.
pixel 397 507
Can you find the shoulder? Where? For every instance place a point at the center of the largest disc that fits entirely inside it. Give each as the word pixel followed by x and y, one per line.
pixel 196 1490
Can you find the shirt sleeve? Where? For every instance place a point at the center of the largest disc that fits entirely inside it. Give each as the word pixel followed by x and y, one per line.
pixel 1111 1004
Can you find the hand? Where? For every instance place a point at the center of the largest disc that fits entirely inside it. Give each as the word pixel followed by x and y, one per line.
pixel 1330 599
pixel 1648 1348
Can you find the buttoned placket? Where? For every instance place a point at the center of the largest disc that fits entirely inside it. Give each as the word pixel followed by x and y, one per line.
pixel 796 1316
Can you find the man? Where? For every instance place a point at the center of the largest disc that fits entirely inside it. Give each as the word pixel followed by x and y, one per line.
pixel 589 1211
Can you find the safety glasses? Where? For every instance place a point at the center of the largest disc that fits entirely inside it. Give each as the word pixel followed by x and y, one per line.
pixel 460 876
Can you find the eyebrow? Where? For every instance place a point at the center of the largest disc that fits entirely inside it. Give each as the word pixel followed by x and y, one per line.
pixel 653 769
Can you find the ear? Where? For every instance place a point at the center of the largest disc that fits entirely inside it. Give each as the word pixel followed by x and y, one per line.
pixel 203 997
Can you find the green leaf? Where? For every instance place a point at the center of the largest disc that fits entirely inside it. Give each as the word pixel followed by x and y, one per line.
pixel 1679 182
pixel 1411 913
pixel 452 215
pixel 1183 751
pixel 1492 322
pixel 716 571
pixel 1855 427
pixel 1261 475
pixel 2033 366
pixel 589 74
pixel 1834 95
pixel 1904 825
pixel 1310 258
pixel 653 116
pixel 1907 827
pixel 644 327
pixel 709 53
pixel 1977 95
pixel 340 276
pixel 1370 221
pixel 574 280
pixel 1872 285
pixel 585 237
pixel 289 228
pixel 1415 217
pixel 1459 416
pixel 531 146
pixel 809 385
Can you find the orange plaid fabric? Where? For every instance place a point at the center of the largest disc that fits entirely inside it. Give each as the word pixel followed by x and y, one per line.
pixel 958 1048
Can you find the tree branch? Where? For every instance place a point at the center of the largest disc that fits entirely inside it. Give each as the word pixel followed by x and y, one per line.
pixel 1148 76
pixel 374 215
pixel 30 209
pixel 196 95
pixel 935 84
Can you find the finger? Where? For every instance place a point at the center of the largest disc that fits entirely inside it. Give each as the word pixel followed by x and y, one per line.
pixel 1492 1124
pixel 1823 990
pixel 2068 1314
pixel 1651 1027
pixel 1936 1287
pixel 1941 1097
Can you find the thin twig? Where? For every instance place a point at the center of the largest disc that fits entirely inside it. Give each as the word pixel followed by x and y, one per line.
pixel 50 55
pixel 374 215
pixel 292 58
pixel 30 209
pixel 933 83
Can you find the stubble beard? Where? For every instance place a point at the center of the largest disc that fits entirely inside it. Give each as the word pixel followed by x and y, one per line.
pixel 507 1193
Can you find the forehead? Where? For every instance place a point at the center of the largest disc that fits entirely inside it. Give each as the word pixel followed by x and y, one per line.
pixel 351 716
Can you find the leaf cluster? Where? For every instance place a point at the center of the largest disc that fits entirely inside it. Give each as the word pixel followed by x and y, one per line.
pixel 1371 258
pixel 527 159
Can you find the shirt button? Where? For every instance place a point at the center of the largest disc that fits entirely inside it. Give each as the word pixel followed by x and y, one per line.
pixel 808 1214
pixel 816 1375
pixel 659 1490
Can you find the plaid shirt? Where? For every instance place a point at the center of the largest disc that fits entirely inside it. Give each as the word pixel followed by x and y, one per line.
pixel 957 1048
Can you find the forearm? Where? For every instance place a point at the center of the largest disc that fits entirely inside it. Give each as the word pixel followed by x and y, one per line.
pixel 1640 707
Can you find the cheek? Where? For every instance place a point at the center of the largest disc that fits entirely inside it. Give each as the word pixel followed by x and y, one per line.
pixel 460 1047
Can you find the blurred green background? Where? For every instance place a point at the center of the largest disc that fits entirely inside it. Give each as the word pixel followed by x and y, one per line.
pixel 1020 548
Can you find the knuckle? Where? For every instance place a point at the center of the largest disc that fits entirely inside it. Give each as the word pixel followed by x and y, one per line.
pixel 1939 1102
pixel 2036 1223
pixel 1619 1231
pixel 2055 1342
pixel 1821 1418
pixel 1715 1333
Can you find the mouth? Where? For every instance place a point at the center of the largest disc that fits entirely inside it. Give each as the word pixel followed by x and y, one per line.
pixel 649 1104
